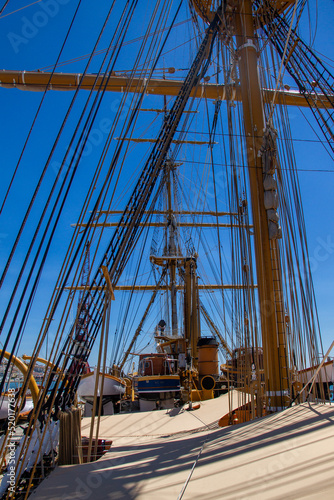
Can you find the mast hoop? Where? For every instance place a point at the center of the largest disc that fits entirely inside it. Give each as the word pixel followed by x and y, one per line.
pixel 248 44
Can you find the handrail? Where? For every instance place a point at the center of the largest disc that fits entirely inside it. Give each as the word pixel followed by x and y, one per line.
pixel 24 370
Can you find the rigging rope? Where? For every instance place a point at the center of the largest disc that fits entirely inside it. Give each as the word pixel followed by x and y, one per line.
pixel 313 79
pixel 126 234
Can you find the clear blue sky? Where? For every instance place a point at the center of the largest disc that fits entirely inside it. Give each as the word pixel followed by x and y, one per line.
pixel 30 39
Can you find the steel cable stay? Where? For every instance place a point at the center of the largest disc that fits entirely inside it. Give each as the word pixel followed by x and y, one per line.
pixel 117 343
pixel 53 70
pixel 323 142
pixel 216 274
pixel 299 235
pixel 4 6
pixel 202 241
pixel 212 132
pixel 127 231
pixel 31 246
pixel 65 186
pixel 28 211
pixel 55 144
pixel 103 157
pixel 128 42
pixel 124 337
pixel 65 279
pixel 207 253
pixel 298 282
pixel 44 211
pixel 235 194
pixel 141 323
pixel 308 72
pixel 299 293
pixel 233 315
pixel 82 353
pixel 299 227
pixel 228 158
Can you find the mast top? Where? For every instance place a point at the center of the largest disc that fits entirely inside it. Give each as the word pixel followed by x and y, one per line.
pixel 206 9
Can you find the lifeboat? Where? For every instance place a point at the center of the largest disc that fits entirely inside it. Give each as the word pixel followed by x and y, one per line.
pixel 113 387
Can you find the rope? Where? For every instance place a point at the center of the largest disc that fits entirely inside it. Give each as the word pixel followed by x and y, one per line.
pixel 191 472
pixel 278 80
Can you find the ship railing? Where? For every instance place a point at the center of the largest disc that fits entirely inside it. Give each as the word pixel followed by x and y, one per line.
pixel 146 364
pixel 170 366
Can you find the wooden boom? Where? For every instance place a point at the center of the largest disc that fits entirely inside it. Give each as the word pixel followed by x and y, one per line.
pixel 39 81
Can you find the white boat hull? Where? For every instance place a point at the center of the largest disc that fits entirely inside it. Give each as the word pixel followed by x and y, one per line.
pixel 113 387
pixel 4 407
pixel 326 373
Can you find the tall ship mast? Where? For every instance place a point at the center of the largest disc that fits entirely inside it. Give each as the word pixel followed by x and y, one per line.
pixel 166 150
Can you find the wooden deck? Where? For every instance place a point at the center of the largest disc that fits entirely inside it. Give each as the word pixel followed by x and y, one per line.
pixel 157 456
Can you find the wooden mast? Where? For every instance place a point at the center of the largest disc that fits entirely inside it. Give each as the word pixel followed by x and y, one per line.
pixel 171 247
pixel 191 309
pixel 266 250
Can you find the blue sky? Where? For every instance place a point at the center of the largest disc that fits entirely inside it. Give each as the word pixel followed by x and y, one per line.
pixel 30 39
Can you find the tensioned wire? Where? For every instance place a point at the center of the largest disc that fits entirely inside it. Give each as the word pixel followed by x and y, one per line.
pixel 18 279
pixel 54 67
pixel 200 236
pixel 59 173
pixel 306 69
pixel 17 10
pixel 282 209
pixel 39 225
pixel 206 251
pixel 125 311
pixel 119 341
pixel 141 255
pixel 155 32
pixel 199 231
pixel 98 282
pixel 293 235
pixel 295 232
pixel 306 293
pixel 4 6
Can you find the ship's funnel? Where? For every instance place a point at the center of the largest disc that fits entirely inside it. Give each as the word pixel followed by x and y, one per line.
pixel 207 356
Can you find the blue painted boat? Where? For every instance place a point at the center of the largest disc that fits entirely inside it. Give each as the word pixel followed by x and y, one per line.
pixel 157 377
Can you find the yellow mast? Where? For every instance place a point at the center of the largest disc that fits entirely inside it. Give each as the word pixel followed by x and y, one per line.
pixel 271 302
pixel 191 308
pixel 171 245
pixel 266 250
